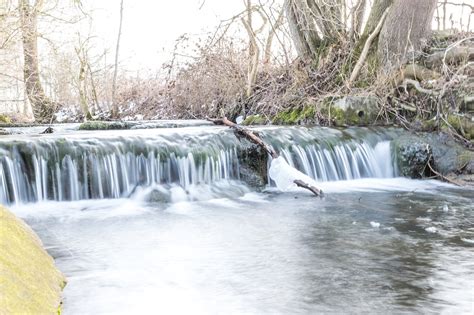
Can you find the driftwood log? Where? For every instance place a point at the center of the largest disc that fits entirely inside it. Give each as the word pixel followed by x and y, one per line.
pixel 252 137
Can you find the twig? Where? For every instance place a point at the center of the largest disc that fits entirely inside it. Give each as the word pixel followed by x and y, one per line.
pixel 441 176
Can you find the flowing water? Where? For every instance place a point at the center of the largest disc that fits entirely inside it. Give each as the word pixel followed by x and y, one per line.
pixel 158 221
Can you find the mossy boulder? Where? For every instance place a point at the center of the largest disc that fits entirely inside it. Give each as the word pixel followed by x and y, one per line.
pixel 105 125
pixel 255 120
pixel 350 110
pixel 29 280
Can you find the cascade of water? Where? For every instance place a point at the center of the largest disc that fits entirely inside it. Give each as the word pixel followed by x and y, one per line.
pixel 54 168
pixel 106 174
pixel 343 161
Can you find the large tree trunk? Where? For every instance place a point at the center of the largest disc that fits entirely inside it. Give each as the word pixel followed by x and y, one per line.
pixel 407 24
pixel 303 28
pixel 376 12
pixel 43 107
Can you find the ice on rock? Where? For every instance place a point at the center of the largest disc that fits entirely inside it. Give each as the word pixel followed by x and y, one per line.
pixel 284 175
pixel 431 229
pixel 374 224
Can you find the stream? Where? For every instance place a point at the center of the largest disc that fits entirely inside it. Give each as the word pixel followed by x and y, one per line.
pixel 158 219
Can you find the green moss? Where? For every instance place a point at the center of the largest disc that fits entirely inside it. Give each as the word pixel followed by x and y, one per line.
pixel 295 116
pixel 340 117
pixel 5 119
pixel 254 120
pixel 102 125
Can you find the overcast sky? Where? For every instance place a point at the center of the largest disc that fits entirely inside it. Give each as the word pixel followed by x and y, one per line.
pixel 150 28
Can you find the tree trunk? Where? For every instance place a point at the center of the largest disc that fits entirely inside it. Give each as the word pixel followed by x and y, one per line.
pixel 117 48
pixel 407 24
pixel 376 12
pixel 83 84
pixel 303 28
pixel 43 107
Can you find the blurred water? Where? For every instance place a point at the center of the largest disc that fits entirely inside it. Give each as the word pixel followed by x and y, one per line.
pixel 227 250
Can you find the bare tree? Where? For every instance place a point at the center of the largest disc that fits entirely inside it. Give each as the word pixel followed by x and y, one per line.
pixel 84 67
pixel 254 49
pixel 114 80
pixel 43 107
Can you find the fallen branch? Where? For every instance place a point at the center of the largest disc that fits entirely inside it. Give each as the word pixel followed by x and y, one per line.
pixel 252 137
pixel 314 190
pixel 441 176
pixel 247 134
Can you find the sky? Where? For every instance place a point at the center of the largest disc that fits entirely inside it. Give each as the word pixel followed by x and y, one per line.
pixel 150 28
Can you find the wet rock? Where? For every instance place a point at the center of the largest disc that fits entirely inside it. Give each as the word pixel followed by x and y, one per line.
pixel 447 156
pixel 253 166
pixel 413 155
pixel 158 196
pixel 4 132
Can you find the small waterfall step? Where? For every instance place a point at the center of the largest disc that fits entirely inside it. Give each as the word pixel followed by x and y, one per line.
pixel 111 165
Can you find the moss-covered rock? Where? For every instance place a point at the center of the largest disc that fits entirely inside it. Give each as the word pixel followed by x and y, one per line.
pixel 29 280
pixel 350 110
pixel 5 119
pixel 104 125
pixel 255 120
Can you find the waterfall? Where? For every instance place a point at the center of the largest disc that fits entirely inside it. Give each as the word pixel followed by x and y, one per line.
pixel 86 166
pixel 345 161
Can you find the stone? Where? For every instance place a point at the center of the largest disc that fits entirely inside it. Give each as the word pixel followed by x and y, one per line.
pixel 446 156
pixel 253 166
pixel 4 132
pixel 29 281
pixel 353 110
